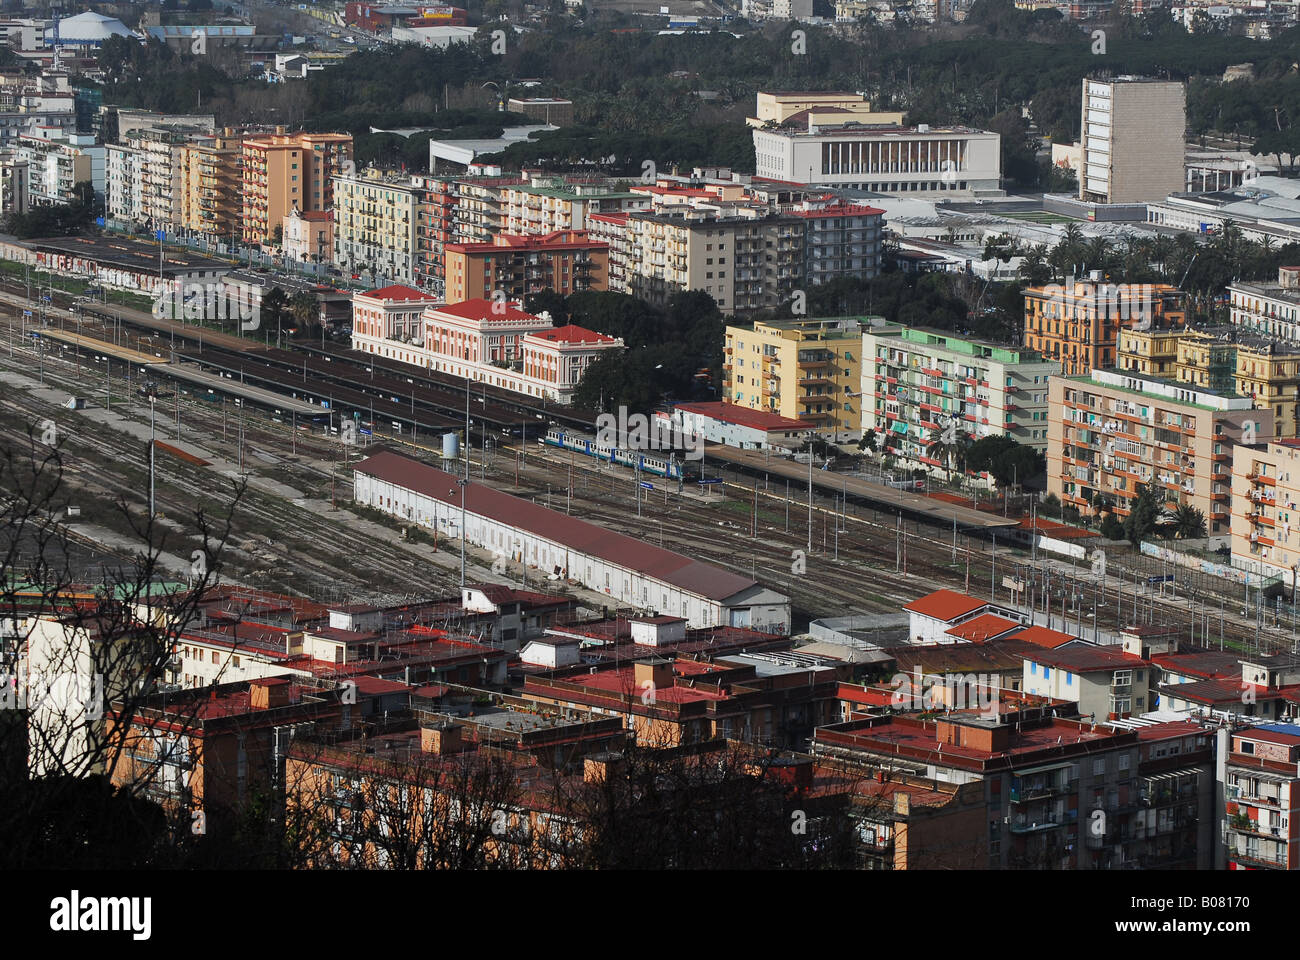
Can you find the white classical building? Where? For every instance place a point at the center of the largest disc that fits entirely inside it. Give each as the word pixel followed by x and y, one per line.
pixel 487 341
pixel 627 570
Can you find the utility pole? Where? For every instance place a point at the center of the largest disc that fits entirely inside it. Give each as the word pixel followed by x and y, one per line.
pixel 810 460
pixel 152 398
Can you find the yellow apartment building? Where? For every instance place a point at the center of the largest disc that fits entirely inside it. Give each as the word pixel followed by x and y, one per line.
pixel 210 184
pixel 803 369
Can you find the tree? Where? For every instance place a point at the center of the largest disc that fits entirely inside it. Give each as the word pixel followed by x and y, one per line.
pixel 1189 523
pixel 304 307
pixel 273 310
pixel 1007 460
pixel 1143 514
pixel 79 668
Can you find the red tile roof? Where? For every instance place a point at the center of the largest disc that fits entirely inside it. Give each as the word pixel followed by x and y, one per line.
pixel 984 627
pixel 646 559
pixel 1043 637
pixel 397 292
pixel 945 605
pixel 572 333
pixel 482 309
pixel 743 416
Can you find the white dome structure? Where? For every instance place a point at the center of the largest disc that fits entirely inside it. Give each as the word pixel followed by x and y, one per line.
pixel 90 29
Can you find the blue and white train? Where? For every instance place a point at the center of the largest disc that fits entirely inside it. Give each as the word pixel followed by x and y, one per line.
pixel 657 462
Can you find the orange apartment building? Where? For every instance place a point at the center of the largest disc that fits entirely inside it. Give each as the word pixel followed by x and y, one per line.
pixel 283 171
pixel 1077 324
pixel 566 261
pixel 1111 431
pixel 213 750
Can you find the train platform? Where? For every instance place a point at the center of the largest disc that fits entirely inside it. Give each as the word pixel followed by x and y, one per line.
pixel 888 498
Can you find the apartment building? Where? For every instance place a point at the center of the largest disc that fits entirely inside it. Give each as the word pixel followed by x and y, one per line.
pixel 1257 770
pixel 917 381
pixel 748 261
pixel 57 162
pixel 611 229
pixel 1271 309
pixel 698 700
pixel 1077 324
pixel 1133 139
pixel 566 261
pixel 211 183
pixel 479 211
pixel 1112 431
pixel 833 149
pixel 308 237
pixel 1043 778
pixel 546 204
pixel 15 197
pixel 1107 683
pixel 435 202
pixel 282 171
pixel 1265 506
pixel 1227 359
pixel 801 369
pixel 374 221
pixel 217 750
pixel 123 184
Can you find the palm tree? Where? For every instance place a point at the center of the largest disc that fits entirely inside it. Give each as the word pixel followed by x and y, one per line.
pixel 305 309
pixel 1189 523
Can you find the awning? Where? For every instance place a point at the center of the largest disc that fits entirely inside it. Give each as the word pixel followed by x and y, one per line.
pixel 899 427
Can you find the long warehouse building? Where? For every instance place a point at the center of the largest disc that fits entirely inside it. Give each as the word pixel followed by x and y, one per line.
pixel 624 568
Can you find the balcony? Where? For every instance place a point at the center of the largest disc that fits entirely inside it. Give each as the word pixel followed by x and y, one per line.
pixel 1023 825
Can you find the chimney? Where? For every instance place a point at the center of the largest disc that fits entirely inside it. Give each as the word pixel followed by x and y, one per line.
pixel 441 740
pixel 902 804
pixel 268 693
pixel 598 767
pixel 656 670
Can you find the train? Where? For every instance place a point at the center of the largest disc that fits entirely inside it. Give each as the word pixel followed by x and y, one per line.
pixel 668 464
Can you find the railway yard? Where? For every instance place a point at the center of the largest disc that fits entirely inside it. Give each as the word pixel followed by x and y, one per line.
pixel 271 445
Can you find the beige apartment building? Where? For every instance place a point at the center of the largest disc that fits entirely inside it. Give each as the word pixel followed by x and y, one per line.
pixel 283 171
pixel 1266 508
pixel 802 369
pixel 375 220
pixel 1133 132
pixel 1111 431
pixel 210 184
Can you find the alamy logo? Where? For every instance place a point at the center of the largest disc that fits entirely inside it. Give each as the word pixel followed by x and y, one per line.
pixel 205 301
pixel 952 691
pixel 75 913
pixel 636 432
pixel 1105 301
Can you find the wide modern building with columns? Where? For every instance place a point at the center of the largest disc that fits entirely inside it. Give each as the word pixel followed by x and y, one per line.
pixel 839 148
pixel 627 570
